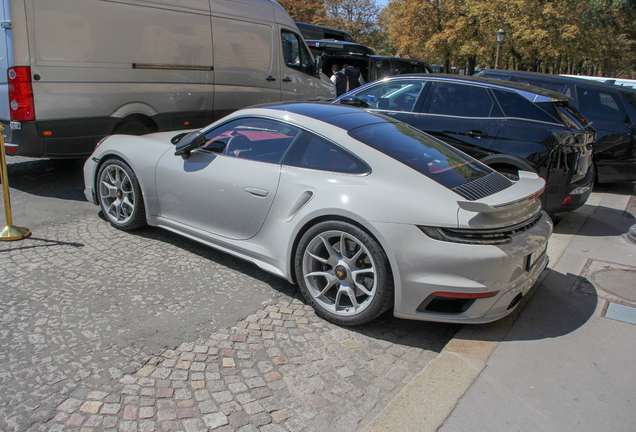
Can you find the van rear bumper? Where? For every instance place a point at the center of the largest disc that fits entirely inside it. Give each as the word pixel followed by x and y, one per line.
pixel 77 138
pixel 68 138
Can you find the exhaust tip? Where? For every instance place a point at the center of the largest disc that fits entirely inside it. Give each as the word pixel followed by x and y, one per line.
pixel 515 301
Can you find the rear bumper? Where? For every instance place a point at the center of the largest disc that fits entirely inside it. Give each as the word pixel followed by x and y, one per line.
pixel 571 196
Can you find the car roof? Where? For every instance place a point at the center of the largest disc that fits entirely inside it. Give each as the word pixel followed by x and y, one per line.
pixel 556 79
pixel 342 116
pixel 488 82
pixel 333 45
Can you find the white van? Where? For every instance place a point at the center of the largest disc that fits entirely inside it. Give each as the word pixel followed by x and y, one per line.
pixel 78 70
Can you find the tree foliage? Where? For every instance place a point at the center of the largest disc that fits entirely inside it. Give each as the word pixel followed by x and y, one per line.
pixel 576 36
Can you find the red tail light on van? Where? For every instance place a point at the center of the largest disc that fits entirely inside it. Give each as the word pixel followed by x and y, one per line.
pixel 21 94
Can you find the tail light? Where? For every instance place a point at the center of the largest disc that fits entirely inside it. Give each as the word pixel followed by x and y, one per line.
pixel 21 94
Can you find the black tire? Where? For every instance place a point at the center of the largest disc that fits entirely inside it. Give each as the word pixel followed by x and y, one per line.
pixel 511 173
pixel 131 128
pixel 119 195
pixel 330 281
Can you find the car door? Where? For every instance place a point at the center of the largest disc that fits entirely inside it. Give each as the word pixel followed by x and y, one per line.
pixel 227 186
pixel 399 99
pixel 615 143
pixel 463 115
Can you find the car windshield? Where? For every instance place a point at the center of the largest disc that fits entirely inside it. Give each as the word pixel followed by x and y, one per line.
pixel 425 154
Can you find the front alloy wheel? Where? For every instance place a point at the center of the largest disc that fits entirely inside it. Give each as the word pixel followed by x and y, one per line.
pixel 343 273
pixel 120 195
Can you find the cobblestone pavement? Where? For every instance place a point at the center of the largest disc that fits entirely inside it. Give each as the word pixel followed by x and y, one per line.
pixel 102 330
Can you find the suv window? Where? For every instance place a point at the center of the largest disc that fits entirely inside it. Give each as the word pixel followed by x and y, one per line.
pixel 630 104
pixel 461 100
pixel 598 105
pixel 393 96
pixel 515 105
pixel 313 152
pixel 295 53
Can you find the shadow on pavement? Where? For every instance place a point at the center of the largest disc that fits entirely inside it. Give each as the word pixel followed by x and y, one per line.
pixel 63 179
pixel 417 334
pixel 561 305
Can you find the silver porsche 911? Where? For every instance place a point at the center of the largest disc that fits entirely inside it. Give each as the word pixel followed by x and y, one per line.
pixel 363 212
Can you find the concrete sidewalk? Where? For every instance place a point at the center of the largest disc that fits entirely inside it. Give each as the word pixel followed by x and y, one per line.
pixel 564 361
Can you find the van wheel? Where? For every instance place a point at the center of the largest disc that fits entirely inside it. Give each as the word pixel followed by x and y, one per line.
pixel 131 128
pixel 511 173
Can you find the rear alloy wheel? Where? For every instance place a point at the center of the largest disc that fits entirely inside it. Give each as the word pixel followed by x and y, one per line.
pixel 343 273
pixel 119 196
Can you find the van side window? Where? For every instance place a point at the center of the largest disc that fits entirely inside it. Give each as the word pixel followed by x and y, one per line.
pixel 295 53
pixel 517 106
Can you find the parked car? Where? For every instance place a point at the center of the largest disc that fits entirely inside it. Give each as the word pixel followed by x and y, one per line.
pixel 509 127
pixel 610 109
pixel 364 212
pixel 69 76
pixel 372 67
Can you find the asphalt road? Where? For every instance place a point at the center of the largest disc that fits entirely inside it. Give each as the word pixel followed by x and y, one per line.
pixel 83 305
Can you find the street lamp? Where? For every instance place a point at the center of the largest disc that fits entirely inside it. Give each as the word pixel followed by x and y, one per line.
pixel 500 37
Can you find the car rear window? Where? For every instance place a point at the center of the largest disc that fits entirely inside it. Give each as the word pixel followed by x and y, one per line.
pixel 604 106
pixel 515 105
pixel 562 88
pixel 425 154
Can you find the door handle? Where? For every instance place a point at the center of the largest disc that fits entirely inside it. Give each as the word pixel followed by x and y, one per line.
pixel 261 193
pixel 476 134
pixel 270 78
pixel 287 79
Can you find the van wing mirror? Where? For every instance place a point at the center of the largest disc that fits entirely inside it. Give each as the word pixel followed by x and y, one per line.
pixel 188 143
pixel 353 101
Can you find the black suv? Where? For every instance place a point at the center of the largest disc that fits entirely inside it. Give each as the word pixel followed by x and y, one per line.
pixel 372 67
pixel 610 109
pixel 509 127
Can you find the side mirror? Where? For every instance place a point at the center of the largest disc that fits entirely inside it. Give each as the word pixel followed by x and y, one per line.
pixel 190 142
pixel 353 101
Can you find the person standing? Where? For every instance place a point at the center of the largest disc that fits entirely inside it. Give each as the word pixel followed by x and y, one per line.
pixel 354 78
pixel 339 79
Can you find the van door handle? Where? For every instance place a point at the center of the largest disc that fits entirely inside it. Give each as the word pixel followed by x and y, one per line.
pixel 287 79
pixel 476 134
pixel 270 78
pixel 261 193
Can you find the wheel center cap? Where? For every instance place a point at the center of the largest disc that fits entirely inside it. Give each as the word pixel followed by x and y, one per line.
pixel 341 272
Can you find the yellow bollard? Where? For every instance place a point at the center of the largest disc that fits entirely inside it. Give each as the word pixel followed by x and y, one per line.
pixel 9 232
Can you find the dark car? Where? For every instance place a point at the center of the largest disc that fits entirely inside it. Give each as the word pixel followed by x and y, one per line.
pixel 372 67
pixel 509 127
pixel 610 109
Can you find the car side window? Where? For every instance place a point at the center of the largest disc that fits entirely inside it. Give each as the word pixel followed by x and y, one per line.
pixel 596 105
pixel 392 96
pixel 313 152
pixel 517 106
pixel 461 100
pixel 295 53
pixel 253 139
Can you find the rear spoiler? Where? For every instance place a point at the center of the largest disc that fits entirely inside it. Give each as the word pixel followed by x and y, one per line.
pixel 529 187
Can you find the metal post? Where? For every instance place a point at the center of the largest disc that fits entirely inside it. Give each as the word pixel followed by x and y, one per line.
pixel 497 58
pixel 9 232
